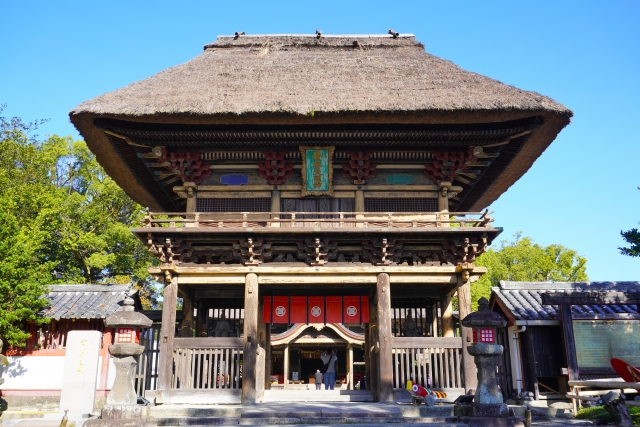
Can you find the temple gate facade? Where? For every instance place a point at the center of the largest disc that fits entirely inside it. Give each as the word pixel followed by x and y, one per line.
pixel 306 192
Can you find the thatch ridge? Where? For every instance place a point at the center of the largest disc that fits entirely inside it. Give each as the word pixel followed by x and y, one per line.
pixel 293 75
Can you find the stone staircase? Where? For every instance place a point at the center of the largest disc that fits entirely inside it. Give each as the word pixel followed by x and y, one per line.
pixel 305 414
pixel 293 395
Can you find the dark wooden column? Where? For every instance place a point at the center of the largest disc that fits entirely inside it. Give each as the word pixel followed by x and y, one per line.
pixel 385 359
pixel 261 355
pixel 250 338
pixel 267 356
pixel 464 307
pixel 187 316
pixel 569 342
pixel 167 332
pixel 372 350
pixel 446 310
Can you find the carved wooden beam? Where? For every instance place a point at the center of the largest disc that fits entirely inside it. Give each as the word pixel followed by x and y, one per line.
pixel 316 251
pixel 275 169
pixel 170 251
pixel 464 250
pixel 382 251
pixel 252 252
pixel 359 169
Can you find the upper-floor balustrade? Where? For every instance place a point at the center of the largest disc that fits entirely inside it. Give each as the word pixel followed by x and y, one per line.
pixel 304 220
pixel 316 238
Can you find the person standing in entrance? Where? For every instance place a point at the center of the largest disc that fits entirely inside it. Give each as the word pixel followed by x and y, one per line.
pixel 318 379
pixel 329 358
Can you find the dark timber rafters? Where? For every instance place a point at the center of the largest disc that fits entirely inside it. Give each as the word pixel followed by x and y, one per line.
pixel 140 143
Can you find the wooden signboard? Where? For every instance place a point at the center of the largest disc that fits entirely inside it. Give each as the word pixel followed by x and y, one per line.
pixel 597 341
pixel 317 171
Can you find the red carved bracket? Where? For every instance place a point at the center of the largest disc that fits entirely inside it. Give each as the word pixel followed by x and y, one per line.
pixel 359 169
pixel 187 165
pixel 446 165
pixel 275 169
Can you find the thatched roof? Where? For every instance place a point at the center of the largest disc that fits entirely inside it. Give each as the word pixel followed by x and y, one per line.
pixel 300 79
pixel 303 75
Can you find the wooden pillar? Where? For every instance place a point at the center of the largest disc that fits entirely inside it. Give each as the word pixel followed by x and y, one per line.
pixel 200 320
pixel 367 357
pixel 192 199
pixel 167 332
pixel 275 206
pixel 261 355
pixel 446 311
pixel 187 317
pixel 371 351
pixel 569 342
pixel 434 319
pixel 249 357
pixel 359 204
pixel 286 366
pixel 385 358
pixel 267 357
pixel 350 384
pixel 464 306
pixel 443 201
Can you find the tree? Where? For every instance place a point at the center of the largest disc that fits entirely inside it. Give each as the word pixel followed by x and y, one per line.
pixel 62 220
pixel 522 260
pixel 632 237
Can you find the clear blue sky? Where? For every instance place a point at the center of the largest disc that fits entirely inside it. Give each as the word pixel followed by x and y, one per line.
pixel 585 54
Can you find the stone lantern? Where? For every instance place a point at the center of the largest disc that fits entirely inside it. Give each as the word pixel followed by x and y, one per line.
pixel 122 400
pixel 488 400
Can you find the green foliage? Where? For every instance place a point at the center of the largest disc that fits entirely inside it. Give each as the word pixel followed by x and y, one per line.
pixel 632 237
pixel 522 260
pixel 62 220
pixel 598 413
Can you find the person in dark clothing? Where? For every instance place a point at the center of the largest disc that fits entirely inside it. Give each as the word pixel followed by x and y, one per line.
pixel 318 378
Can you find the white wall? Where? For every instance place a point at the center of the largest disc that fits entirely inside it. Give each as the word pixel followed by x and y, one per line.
pixel 33 373
pixel 42 373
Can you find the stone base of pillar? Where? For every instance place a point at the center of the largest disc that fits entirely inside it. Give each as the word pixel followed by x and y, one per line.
pixel 123 412
pixel 486 415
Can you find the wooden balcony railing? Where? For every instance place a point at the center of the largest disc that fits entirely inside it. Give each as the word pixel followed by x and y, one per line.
pixel 315 220
pixel 207 363
pixel 430 362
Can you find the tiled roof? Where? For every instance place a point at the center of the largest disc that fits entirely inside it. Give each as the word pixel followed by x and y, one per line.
pixel 523 301
pixel 84 301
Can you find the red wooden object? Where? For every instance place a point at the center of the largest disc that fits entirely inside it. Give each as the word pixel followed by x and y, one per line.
pixel 302 309
pixel 298 310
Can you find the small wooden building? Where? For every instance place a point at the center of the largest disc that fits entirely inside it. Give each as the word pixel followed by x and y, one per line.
pixel 537 351
pixel 37 368
pixel 321 169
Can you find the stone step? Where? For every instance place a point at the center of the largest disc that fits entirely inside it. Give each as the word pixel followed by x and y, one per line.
pixel 264 421
pixel 196 411
pixel 14 415
pixel 319 424
pixel 317 396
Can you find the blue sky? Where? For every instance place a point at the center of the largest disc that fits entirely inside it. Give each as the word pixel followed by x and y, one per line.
pixel 585 54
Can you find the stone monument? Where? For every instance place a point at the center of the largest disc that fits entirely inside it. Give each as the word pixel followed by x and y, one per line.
pixel 80 376
pixel 487 408
pixel 122 408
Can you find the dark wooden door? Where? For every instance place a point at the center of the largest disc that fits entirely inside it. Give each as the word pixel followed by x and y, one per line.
pixel 317 208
